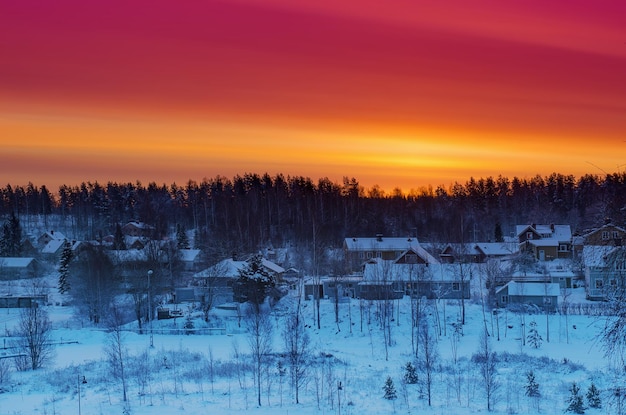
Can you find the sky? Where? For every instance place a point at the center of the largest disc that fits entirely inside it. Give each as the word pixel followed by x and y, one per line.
pixel 400 94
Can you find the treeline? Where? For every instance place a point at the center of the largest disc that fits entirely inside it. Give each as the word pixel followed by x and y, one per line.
pixel 251 211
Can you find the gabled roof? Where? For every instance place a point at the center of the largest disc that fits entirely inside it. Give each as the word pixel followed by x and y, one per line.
pixel 15 262
pixel 53 235
pixel 559 232
pixel 422 253
pixel 496 248
pixel 230 268
pixel 534 289
pixel 53 246
pixel 380 244
pixel 604 227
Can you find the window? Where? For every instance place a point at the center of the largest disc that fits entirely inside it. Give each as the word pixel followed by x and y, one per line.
pixel 361 255
pixel 529 235
pixel 563 247
pixel 615 235
pixel 613 282
pixel 599 284
pixel 411 258
pixel 456 286
pixel 547 300
pixel 505 299
pixel 369 255
pixel 605 235
pixel 379 254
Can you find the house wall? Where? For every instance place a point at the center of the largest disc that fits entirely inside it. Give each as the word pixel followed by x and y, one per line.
pixel 609 239
pixel 538 300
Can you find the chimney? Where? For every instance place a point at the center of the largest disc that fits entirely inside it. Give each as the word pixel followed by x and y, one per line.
pixel 52 232
pixel 234 256
pixel 552 227
pixel 379 237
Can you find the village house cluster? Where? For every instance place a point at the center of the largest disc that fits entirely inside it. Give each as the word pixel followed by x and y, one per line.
pixel 533 266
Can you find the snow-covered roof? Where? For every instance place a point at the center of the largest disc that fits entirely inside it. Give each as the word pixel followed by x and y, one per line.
pixel 531 289
pixel 497 248
pixel 54 235
pixel 558 232
pixel 15 262
pixel 127 255
pixel 381 244
pixel 603 227
pixel 53 246
pixel 189 255
pixel 595 255
pixel 230 268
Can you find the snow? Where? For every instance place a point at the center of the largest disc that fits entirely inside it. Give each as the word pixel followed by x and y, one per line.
pixel 352 352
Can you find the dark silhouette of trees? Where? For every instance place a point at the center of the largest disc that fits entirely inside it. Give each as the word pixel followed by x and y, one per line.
pixel 251 211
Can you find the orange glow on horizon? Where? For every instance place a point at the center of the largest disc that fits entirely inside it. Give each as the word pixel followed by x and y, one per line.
pixel 410 95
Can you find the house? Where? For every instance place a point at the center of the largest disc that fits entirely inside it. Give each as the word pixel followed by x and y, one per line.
pixel 52 250
pixel 218 280
pixel 136 228
pixel 606 235
pixel 359 250
pixel 22 301
pixel 543 296
pixel 558 271
pixel 192 259
pixel 432 280
pixel 12 268
pixel 545 242
pixel 48 236
pixel 605 270
pixel 477 252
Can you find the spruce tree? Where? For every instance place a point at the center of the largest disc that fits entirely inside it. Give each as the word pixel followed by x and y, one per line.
pixel 410 374
pixel 575 401
pixel 11 243
pixel 593 397
pixel 64 268
pixel 182 241
pixel 390 389
pixel 118 239
pixel 531 389
pixel 534 338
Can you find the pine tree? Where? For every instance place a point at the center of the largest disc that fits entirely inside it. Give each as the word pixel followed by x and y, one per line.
pixel 64 268
pixel 575 401
pixel 593 397
pixel 534 338
pixel 410 374
pixel 390 390
pixel 531 387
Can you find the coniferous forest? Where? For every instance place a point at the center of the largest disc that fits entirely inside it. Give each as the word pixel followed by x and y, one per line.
pixel 251 211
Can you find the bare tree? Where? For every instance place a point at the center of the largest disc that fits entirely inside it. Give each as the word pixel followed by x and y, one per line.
pixel 115 348
pixel 297 347
pixel 209 286
pixel 485 358
pixel 614 332
pixel 34 342
pixel 427 360
pixel 259 327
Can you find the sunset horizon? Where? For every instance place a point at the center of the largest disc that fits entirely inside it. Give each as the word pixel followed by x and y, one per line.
pixel 410 95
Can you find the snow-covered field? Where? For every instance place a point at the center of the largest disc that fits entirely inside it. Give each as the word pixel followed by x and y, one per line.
pixel 199 374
